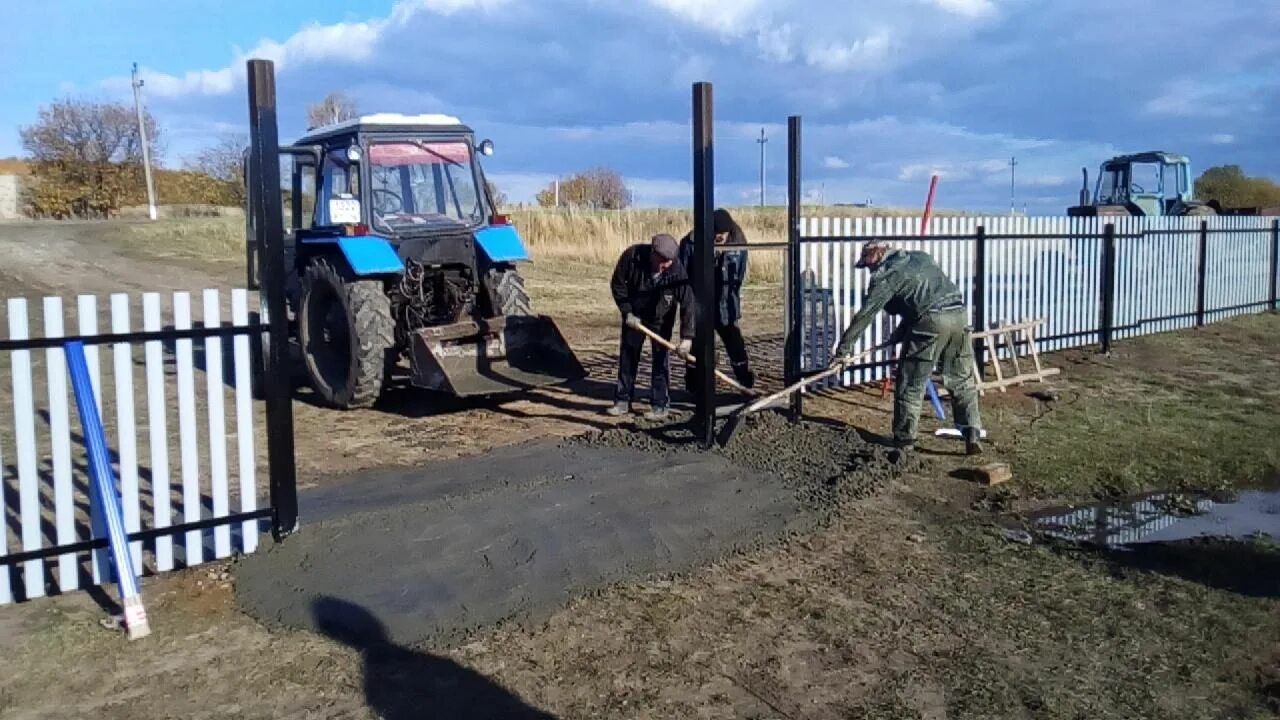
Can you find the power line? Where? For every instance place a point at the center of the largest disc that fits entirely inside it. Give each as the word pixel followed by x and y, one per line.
pixel 142 135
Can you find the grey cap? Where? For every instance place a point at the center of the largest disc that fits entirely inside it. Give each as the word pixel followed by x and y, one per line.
pixel 665 246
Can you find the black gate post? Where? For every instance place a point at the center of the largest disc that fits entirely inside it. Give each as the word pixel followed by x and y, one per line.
pixel 980 297
pixel 268 208
pixel 1107 287
pixel 1202 258
pixel 1275 262
pixel 704 260
pixel 795 286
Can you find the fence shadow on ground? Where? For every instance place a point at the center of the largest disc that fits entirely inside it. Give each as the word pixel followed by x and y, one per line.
pixel 1241 567
pixel 400 683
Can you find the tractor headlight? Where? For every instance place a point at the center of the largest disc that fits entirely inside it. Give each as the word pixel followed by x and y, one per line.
pixel 486 147
pixel 353 153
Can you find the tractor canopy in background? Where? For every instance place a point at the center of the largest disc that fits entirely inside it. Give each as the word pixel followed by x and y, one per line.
pixel 402 254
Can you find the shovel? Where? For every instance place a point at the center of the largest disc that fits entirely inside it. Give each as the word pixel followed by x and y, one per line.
pixel 735 418
pixel 720 374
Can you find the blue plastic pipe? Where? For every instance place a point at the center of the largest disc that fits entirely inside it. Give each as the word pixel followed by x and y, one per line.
pixel 933 398
pixel 103 480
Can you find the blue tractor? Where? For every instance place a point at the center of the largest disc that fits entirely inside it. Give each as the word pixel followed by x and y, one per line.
pixel 395 251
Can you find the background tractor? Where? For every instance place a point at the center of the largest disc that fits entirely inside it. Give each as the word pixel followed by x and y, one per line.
pixel 1149 184
pixel 394 250
pixel 1152 184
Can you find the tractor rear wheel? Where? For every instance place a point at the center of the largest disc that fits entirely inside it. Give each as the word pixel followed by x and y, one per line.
pixel 508 293
pixel 347 333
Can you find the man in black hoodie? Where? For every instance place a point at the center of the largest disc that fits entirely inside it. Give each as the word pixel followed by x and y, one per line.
pixel 730 274
pixel 649 284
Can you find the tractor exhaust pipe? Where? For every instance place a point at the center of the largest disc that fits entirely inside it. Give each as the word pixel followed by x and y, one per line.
pixel 1084 189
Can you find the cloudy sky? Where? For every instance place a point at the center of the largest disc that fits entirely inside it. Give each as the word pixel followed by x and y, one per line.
pixel 889 90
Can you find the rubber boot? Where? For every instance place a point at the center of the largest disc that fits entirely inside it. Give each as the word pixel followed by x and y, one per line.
pixel 742 372
pixel 901 452
pixel 973 441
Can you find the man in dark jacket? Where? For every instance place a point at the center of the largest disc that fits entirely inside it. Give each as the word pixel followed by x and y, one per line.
pixel 934 331
pixel 730 273
pixel 649 285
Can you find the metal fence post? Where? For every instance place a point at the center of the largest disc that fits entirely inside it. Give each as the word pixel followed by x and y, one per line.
pixel 980 296
pixel 792 367
pixel 1275 263
pixel 704 260
pixel 1107 287
pixel 1202 254
pixel 268 224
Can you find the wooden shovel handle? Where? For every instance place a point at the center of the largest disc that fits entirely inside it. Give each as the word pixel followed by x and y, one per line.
pixel 663 342
pixel 769 399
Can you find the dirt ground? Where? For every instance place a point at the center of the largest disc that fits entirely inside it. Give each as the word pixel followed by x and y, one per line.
pixel 908 602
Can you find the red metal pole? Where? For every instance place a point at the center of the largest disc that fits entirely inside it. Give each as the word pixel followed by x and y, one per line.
pixel 928 205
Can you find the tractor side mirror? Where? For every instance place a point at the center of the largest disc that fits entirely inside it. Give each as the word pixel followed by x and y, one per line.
pixel 486 147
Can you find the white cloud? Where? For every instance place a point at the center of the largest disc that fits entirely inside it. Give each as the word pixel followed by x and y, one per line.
pixel 1222 139
pixel 663 132
pixel 862 54
pixel 724 16
pixel 834 163
pixel 968 8
pixel 405 9
pixel 344 42
pixel 1188 98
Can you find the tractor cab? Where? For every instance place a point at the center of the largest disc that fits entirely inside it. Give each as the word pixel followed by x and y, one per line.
pixel 1151 184
pixel 400 175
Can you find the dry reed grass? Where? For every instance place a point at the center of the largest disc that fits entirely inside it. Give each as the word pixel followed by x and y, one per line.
pixel 583 236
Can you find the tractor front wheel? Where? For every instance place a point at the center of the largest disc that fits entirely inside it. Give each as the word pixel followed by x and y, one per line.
pixel 347 334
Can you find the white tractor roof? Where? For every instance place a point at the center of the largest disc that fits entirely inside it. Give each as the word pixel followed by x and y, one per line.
pixel 382 119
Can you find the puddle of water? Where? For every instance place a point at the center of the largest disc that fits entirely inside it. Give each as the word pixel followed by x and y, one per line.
pixel 1165 517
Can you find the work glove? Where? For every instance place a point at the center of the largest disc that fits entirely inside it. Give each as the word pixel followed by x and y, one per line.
pixel 684 349
pixel 838 361
pixel 632 321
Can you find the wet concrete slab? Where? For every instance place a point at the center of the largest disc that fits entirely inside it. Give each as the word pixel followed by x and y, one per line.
pixel 435 551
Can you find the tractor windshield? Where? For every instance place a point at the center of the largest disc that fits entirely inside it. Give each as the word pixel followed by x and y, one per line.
pixel 423 185
pixel 1112 184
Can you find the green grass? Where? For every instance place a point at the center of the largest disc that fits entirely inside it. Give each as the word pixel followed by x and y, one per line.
pixel 1195 410
pixel 1064 632
pixel 209 239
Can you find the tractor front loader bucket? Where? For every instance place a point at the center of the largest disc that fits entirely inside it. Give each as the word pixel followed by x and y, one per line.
pixel 499 355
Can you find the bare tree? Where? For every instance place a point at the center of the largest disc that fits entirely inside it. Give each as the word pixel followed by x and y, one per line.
pixel 598 188
pixel 89 132
pixel 86 157
pixel 334 108
pixel 224 161
pixel 498 197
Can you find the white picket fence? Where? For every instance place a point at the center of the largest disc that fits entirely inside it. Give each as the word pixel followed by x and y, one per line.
pixel 1046 267
pixel 171 464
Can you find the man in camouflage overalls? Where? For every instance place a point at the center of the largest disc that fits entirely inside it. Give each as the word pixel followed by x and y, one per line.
pixel 934 331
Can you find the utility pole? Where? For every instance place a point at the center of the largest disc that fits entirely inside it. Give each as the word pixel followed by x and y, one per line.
pixel 761 142
pixel 142 135
pixel 1013 164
